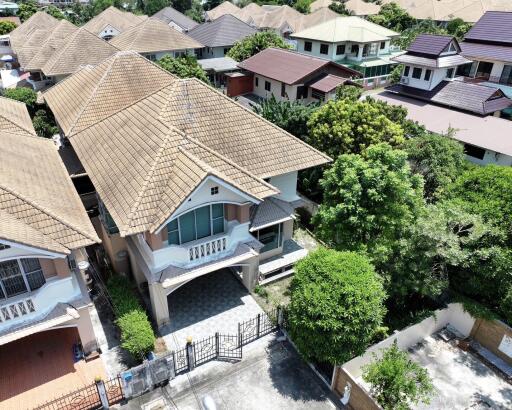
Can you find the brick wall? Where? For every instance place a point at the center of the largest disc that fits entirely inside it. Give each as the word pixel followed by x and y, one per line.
pixel 490 334
pixel 359 397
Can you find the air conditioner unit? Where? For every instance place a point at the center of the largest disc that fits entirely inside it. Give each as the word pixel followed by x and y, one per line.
pixel 404 80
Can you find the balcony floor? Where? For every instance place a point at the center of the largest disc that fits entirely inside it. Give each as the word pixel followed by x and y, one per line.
pixel 40 367
pixel 211 303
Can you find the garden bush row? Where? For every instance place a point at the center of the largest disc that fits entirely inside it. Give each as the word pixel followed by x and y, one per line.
pixel 137 335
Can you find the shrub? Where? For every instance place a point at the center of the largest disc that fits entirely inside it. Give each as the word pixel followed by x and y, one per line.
pixel 137 335
pixel 506 306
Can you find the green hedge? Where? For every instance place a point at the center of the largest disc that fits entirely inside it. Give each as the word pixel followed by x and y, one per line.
pixel 137 335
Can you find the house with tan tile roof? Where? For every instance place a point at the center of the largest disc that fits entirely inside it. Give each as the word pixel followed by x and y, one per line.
pixel 112 22
pixel 181 199
pixel 154 39
pixel 44 230
pixel 38 21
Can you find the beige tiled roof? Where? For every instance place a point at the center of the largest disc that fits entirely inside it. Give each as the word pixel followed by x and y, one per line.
pixel 28 48
pixel 82 48
pixel 14 117
pixel 94 93
pixel 190 131
pixel 121 20
pixel 38 21
pixel 225 7
pixel 39 206
pixel 50 46
pixel 153 36
pixel 358 7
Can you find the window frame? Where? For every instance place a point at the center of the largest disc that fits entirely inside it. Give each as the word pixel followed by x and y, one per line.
pixel 382 45
pixel 279 236
pixel 343 47
pixel 324 49
pixel 415 70
pixel 283 90
pixel 24 274
pixel 269 86
pixel 256 81
pixel 428 73
pixel 308 46
pixel 407 71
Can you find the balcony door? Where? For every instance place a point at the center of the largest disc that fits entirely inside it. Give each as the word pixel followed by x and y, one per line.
pixel 197 224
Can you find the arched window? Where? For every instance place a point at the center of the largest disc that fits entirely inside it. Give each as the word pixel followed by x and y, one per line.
pixel 197 224
pixel 19 276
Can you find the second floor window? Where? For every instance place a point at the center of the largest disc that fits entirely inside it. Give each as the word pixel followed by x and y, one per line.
pixel 19 276
pixel 308 46
pixel 197 224
pixel 382 45
pixel 267 85
pixel 416 72
pixel 340 49
pixel 428 73
pixel 324 48
pixel 406 71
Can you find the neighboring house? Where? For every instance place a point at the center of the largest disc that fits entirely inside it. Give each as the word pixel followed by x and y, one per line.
pixel 439 11
pixel 189 182
pixel 284 20
pixel 154 39
pixel 218 36
pixel 37 26
pixel 489 45
pixel 112 22
pixel 44 230
pixel 8 7
pixel 354 42
pixel 434 98
pixel 175 19
pixel 51 55
pixel 217 69
pixel 359 8
pixel 289 75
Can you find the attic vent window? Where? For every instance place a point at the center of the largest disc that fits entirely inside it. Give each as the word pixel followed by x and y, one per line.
pixel 214 190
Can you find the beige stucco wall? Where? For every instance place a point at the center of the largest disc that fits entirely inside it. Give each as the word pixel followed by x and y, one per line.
pixel 113 244
pixel 359 397
pixel 490 334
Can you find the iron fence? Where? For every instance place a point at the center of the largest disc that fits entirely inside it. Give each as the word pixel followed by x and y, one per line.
pixel 86 398
pixel 259 326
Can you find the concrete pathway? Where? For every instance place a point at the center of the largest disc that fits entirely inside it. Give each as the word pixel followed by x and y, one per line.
pixel 271 376
pixel 211 303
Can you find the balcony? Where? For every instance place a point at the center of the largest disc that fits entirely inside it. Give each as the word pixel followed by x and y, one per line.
pixel 195 252
pixel 33 305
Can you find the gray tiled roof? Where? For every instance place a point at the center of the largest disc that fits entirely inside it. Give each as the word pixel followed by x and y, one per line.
pixel 439 62
pixel 493 26
pixel 224 31
pixel 475 98
pixel 486 51
pixel 431 44
pixel 168 15
pixel 269 212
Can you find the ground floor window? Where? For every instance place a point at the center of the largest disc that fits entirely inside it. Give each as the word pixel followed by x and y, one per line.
pixel 271 237
pixel 19 276
pixel 474 151
pixel 197 224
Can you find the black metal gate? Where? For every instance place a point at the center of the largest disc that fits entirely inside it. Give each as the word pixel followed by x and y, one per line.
pixel 229 347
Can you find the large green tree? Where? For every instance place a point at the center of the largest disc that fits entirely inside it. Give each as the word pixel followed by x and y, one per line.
pixel 394 17
pixel 458 28
pixel 55 12
pixel 252 45
pixel 397 382
pixel 342 127
pixel 152 6
pixel 183 67
pixel 340 7
pixel 26 10
pixel 291 116
pixel 370 200
pixel 438 158
pixel 422 27
pixel 24 95
pixel 336 305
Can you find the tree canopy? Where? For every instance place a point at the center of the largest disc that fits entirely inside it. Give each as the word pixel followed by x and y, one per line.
pixel 6 27
pixel 342 126
pixel 291 116
pixel 393 17
pixel 438 158
pixel 369 201
pixel 23 94
pixel 26 10
pixel 397 382
pixel 336 305
pixel 339 6
pixel 255 43
pixel 183 67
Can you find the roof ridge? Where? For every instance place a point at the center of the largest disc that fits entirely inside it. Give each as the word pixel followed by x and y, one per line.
pixel 129 105
pixel 47 212
pixel 138 31
pixel 259 117
pixel 65 46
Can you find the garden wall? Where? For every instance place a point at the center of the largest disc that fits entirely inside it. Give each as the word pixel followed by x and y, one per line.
pixel 495 336
pixel 454 315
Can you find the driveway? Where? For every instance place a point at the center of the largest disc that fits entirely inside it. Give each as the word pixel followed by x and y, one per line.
pixel 215 302
pixel 271 376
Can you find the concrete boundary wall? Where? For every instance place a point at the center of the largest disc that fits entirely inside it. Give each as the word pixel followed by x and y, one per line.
pixel 453 315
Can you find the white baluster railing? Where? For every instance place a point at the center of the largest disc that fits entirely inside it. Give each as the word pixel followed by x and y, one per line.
pixel 207 248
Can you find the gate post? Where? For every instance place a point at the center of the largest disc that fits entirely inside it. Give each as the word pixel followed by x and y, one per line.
pixel 217 344
pixel 102 392
pixel 190 354
pixel 280 316
pixel 174 363
pixel 258 321
pixel 240 338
